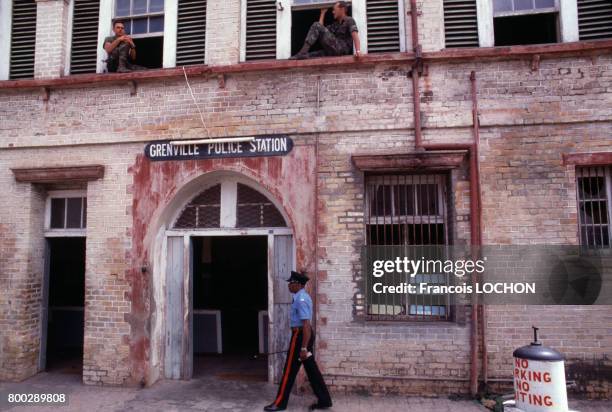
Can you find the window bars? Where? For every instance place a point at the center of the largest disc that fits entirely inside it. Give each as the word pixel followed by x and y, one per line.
pixel 594 192
pixel 406 215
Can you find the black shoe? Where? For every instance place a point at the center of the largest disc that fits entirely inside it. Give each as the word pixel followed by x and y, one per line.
pixel 273 407
pixel 299 56
pixel 317 405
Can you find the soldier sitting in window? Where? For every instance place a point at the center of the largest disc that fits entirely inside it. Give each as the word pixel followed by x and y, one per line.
pixel 121 50
pixel 335 39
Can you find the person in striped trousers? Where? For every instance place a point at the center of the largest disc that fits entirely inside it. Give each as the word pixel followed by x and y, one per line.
pixel 300 350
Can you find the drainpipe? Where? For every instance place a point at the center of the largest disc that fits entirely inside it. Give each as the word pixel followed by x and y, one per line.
pixel 475 203
pixel 417 67
pixel 483 309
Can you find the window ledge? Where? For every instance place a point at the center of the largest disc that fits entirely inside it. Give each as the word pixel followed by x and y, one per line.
pixel 467 54
pixel 438 160
pixel 58 174
pixel 588 159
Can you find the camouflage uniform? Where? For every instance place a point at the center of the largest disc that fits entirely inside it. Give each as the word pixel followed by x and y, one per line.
pixel 120 56
pixel 335 39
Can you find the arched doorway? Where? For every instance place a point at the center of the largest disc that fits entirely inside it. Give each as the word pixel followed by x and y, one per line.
pixel 227 252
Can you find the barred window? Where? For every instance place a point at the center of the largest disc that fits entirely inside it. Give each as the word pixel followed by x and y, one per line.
pixel 404 211
pixel 594 191
pixel 249 207
pixel 204 211
pixel 255 210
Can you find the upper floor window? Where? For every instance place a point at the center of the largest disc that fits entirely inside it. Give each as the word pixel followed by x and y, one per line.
pixel 518 22
pixel 460 23
pixel 595 19
pixel 84 39
pixel 278 29
pixel 144 22
pixel 23 39
pixel 141 17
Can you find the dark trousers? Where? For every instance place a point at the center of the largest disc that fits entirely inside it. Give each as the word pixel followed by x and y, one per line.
pixel 292 366
pixel 121 54
pixel 330 44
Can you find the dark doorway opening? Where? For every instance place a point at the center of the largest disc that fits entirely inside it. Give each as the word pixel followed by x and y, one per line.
pixel 301 20
pixel 66 286
pixel 526 29
pixel 230 302
pixel 149 52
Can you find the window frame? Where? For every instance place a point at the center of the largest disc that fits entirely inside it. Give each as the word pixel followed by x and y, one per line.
pixel 555 9
pixel 132 17
pixel 105 29
pixel 607 175
pixel 6 14
pixel 363 304
pixel 283 25
pixel 567 22
pixel 64 232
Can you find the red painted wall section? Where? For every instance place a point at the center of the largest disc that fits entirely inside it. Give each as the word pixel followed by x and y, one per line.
pixel 290 179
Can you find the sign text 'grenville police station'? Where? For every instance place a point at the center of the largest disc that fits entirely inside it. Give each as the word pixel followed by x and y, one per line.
pixel 275 145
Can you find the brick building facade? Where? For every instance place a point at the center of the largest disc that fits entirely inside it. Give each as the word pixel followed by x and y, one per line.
pixel 544 112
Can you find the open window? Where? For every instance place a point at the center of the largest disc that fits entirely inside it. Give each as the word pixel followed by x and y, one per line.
pixel 277 29
pixel 303 14
pixel 520 22
pixel 144 21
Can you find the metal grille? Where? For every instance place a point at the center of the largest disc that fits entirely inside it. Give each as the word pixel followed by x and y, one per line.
pixel 191 32
pixel 204 211
pixel 460 23
pixel 408 212
pixel 383 26
pixel 260 29
pixel 255 210
pixel 595 19
pixel 23 39
pixel 83 55
pixel 594 188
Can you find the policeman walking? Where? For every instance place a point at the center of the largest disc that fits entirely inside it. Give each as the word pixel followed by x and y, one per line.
pixel 300 350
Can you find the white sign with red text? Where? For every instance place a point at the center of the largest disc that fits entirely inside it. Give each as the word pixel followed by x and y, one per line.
pixel 539 386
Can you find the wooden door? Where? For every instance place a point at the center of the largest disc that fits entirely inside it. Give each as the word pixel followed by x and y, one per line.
pixel 280 263
pixel 44 312
pixel 178 362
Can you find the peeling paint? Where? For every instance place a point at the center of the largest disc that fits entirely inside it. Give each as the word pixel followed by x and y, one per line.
pixel 290 179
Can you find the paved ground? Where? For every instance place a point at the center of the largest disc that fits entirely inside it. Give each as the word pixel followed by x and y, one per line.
pixel 212 394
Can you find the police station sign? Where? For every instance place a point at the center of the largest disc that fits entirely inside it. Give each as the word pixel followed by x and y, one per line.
pixel 273 145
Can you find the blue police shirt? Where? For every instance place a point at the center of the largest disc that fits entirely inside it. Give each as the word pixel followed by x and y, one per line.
pixel 301 308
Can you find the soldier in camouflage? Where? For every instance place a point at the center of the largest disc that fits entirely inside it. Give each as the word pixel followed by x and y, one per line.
pixel 335 39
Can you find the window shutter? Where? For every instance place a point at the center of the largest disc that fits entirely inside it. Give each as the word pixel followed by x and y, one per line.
pixel 191 32
pixel 383 26
pixel 84 48
pixel 23 39
pixel 460 23
pixel 595 19
pixel 261 29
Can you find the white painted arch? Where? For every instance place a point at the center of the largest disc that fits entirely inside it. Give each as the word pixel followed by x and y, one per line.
pixel 157 240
